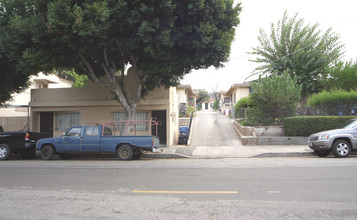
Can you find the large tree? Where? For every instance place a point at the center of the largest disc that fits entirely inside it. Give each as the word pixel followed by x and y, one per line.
pixel 203 96
pixel 342 76
pixel 11 81
pixel 161 39
pixel 302 50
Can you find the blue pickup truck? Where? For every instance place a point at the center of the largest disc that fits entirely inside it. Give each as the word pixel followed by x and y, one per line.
pixel 96 139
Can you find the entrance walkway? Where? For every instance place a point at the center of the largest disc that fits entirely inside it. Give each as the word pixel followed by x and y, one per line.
pixel 212 129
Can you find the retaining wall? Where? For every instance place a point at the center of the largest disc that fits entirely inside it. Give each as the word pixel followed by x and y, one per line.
pixel 269 135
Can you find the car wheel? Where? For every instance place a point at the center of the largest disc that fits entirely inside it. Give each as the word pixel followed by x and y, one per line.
pixel 28 153
pixel 47 152
pixel 341 148
pixel 322 153
pixel 5 151
pixel 125 153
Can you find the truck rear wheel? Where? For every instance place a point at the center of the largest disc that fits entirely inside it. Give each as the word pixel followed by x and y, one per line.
pixel 125 152
pixel 47 152
pixel 5 151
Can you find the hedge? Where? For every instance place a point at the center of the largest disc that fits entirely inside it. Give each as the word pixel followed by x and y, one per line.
pixel 334 102
pixel 244 102
pixel 307 125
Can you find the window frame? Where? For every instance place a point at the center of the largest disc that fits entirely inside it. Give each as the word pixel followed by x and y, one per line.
pixel 140 115
pixel 67 120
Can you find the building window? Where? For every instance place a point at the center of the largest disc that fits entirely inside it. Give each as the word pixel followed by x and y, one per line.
pixel 227 100
pixel 66 120
pixel 139 116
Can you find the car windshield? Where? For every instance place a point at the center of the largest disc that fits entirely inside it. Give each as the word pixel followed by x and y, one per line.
pixel 350 124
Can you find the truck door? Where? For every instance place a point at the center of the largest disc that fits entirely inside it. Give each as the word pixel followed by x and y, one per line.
pixel 91 140
pixel 71 141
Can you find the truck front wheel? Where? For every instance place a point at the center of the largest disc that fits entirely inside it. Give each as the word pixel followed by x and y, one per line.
pixel 125 152
pixel 5 151
pixel 47 152
pixel 341 148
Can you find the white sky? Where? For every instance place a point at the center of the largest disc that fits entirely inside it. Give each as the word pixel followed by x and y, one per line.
pixel 340 15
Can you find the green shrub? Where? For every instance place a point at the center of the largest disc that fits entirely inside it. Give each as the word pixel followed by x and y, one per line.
pixel 246 123
pixel 215 105
pixel 275 97
pixel 243 103
pixel 307 125
pixel 190 110
pixel 334 101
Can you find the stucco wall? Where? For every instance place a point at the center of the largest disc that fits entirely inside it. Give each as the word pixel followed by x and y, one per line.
pixel 95 103
pixel 181 94
pixel 14 123
pixel 242 92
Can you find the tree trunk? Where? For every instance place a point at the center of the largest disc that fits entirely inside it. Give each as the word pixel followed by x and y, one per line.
pixel 117 85
pixel 125 129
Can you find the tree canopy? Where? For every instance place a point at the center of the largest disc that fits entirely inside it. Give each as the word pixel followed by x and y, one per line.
pixel 302 50
pixel 11 81
pixel 203 96
pixel 342 76
pixel 161 39
pixel 80 81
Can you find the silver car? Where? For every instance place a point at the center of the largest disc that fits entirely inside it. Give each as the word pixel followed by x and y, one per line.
pixel 340 141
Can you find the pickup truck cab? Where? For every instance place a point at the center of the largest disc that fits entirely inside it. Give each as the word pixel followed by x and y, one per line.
pixel 340 141
pixel 19 142
pixel 96 139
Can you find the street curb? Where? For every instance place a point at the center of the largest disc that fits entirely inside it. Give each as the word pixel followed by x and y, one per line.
pixel 164 156
pixel 263 155
pixel 293 154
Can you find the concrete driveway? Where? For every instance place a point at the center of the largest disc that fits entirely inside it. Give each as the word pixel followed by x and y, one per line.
pixel 213 134
pixel 212 129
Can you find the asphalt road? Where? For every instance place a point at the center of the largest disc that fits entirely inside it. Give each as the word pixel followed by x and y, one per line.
pixel 211 128
pixel 245 188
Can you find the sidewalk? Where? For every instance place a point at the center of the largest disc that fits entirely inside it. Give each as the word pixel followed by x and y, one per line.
pixel 182 151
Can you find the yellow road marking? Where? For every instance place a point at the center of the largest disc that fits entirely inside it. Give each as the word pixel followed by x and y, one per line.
pixel 186 192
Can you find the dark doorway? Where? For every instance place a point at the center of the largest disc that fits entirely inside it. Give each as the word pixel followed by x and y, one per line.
pixel 46 122
pixel 206 105
pixel 160 116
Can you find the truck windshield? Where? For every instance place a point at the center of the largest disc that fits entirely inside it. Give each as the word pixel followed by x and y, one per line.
pixel 74 132
pixel 351 124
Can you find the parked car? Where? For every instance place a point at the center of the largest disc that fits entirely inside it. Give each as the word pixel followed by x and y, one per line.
pixel 19 142
pixel 340 141
pixel 99 140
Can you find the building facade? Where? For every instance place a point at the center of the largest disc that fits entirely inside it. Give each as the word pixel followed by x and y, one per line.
pixel 233 95
pixel 56 110
pixel 16 114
